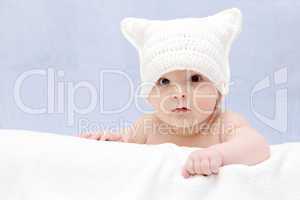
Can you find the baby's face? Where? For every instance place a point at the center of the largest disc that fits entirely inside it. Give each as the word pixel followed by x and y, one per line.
pixel 183 98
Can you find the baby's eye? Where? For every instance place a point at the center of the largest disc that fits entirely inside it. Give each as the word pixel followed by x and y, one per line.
pixel 196 78
pixel 163 81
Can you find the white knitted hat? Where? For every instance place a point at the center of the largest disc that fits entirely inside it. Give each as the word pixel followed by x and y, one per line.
pixel 199 44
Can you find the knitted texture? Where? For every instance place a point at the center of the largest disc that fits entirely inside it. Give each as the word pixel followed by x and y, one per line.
pixel 199 44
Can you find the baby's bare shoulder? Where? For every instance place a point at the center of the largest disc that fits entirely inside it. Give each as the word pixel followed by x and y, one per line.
pixel 142 127
pixel 233 118
pixel 146 120
pixel 228 123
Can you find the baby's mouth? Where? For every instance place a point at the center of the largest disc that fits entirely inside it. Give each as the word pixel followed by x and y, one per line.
pixel 181 109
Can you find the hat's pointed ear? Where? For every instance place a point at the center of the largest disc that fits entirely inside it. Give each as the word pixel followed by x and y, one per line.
pixel 231 16
pixel 133 29
pixel 230 21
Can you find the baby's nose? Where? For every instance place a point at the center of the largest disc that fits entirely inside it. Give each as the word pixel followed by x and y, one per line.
pixel 179 96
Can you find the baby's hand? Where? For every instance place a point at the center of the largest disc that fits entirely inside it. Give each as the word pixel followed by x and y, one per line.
pixel 102 136
pixel 202 162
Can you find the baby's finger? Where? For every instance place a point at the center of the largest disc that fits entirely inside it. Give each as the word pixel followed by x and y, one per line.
pixel 205 169
pixel 90 136
pixel 190 166
pixel 197 166
pixel 84 135
pixel 95 136
pixel 214 166
pixel 104 137
pixel 115 137
pixel 185 173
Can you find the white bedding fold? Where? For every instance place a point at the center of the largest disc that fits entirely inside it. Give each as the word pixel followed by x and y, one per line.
pixel 42 166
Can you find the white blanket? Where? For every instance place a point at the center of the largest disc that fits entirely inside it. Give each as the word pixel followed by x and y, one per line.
pixel 42 166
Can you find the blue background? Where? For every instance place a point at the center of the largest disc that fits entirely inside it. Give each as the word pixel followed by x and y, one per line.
pixel 81 38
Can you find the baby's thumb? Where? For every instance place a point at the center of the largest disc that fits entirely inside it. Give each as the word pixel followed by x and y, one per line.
pixel 185 173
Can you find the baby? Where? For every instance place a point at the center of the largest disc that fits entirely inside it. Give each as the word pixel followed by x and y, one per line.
pixel 185 77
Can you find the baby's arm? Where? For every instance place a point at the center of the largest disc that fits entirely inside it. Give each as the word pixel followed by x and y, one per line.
pixel 242 145
pixel 136 133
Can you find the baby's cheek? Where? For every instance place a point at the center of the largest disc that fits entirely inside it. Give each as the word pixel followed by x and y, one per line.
pixel 167 103
pixel 204 104
pixel 162 103
pixel 205 98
